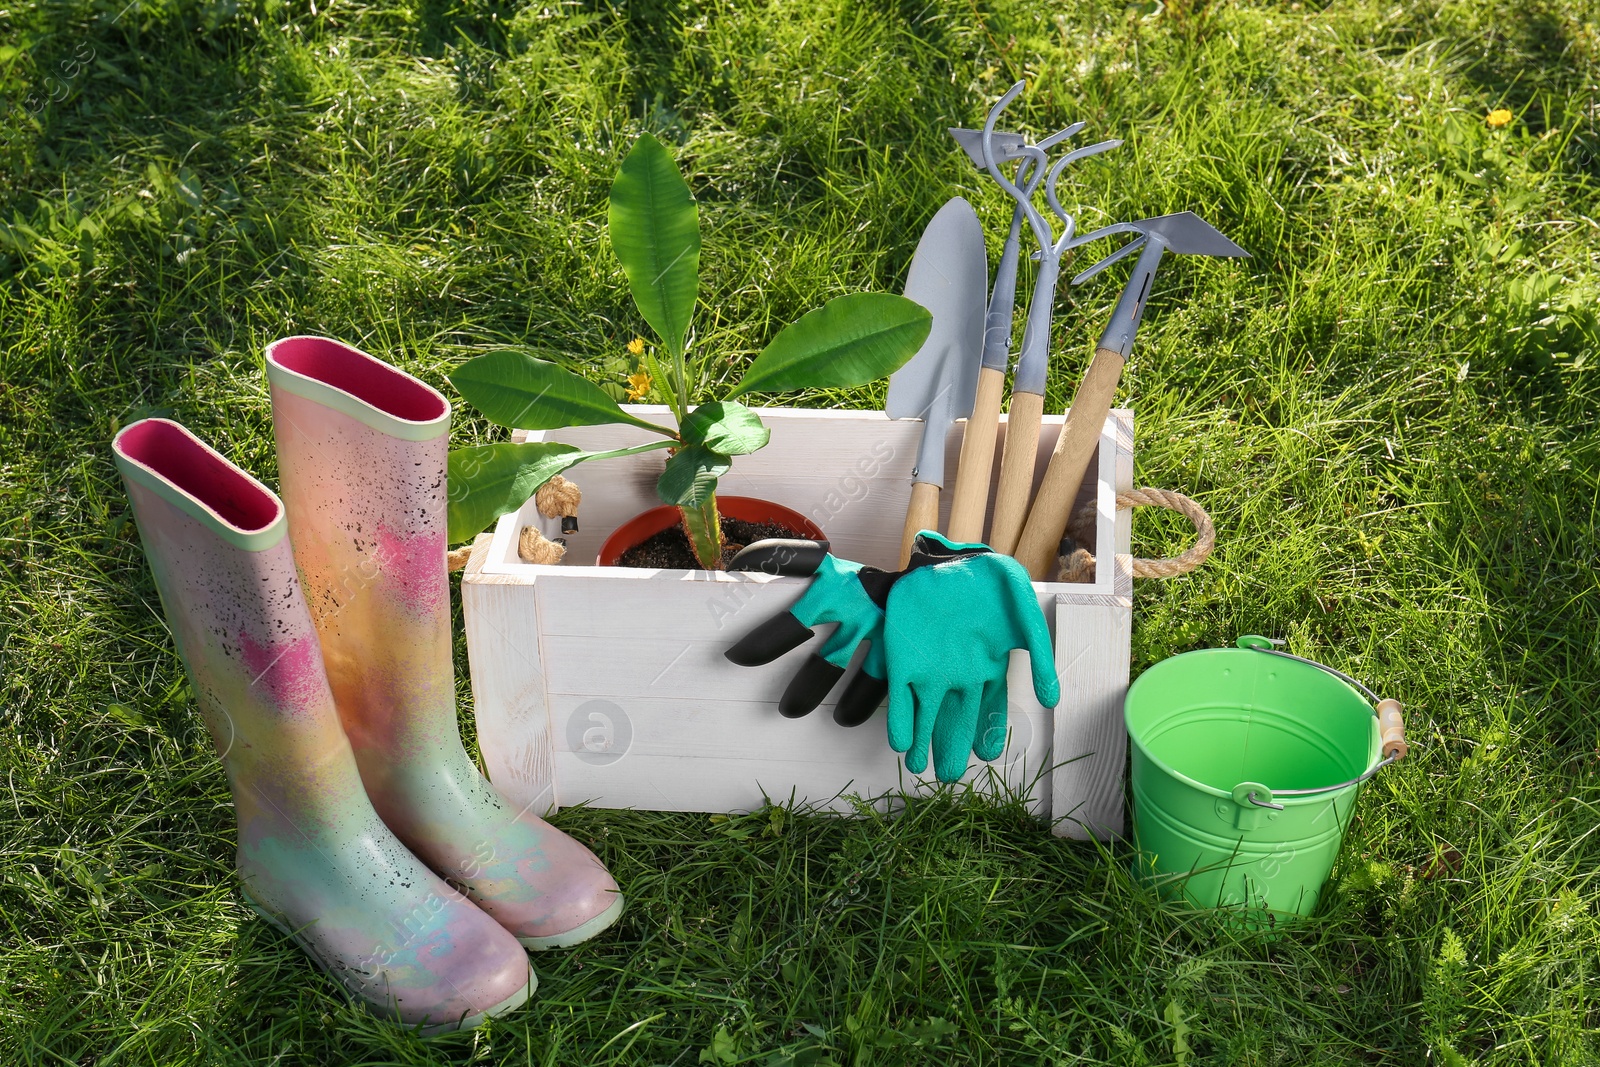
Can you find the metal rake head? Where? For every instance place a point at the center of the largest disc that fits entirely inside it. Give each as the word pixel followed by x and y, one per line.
pixel 996 147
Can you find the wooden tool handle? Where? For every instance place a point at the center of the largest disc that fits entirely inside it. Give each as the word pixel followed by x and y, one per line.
pixel 1016 470
pixel 977 459
pixel 921 514
pixel 1047 521
pixel 1392 727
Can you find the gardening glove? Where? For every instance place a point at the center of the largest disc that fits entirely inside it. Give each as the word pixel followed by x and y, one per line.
pixel 952 619
pixel 841 592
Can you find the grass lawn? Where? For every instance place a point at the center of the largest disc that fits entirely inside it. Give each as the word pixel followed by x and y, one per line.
pixel 1390 410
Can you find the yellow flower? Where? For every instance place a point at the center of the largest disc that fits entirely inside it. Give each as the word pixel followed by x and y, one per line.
pixel 1499 117
pixel 636 346
pixel 638 384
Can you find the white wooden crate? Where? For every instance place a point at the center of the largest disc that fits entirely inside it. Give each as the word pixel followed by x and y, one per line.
pixel 607 685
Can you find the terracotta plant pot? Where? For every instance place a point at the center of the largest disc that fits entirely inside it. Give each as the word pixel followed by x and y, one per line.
pixel 647 524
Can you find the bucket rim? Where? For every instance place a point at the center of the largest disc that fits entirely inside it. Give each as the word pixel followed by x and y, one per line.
pixel 1376 760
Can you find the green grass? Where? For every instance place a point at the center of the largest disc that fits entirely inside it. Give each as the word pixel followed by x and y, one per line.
pixel 1390 411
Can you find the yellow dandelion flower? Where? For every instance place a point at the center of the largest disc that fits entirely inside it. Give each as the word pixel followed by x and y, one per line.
pixel 636 346
pixel 638 385
pixel 1499 117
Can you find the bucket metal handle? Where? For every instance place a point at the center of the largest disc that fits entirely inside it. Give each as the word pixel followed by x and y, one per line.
pixel 1391 723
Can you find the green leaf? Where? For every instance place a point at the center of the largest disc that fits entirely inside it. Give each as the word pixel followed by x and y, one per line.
pixel 126 714
pixel 189 190
pixel 655 230
pixel 691 476
pixel 850 340
pixel 724 1048
pixel 1180 1033
pixel 725 426
pixel 514 389
pixel 487 481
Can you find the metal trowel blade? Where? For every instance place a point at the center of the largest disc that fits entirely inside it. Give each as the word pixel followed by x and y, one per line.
pixel 950 277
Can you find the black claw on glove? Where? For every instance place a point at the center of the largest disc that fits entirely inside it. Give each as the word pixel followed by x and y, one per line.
pixel 787 557
pixel 779 634
pixel 809 687
pixel 863 696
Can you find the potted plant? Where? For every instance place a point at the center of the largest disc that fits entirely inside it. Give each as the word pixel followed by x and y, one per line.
pixel 655 231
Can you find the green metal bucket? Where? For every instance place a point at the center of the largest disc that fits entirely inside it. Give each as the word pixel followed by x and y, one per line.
pixel 1246 766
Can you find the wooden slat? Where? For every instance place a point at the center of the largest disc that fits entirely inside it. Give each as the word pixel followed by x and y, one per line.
pixel 812 758
pixel 508 687
pixel 1090 741
pixel 718 785
pixel 675 726
pixel 579 665
pixel 1093 636
pixel 722 609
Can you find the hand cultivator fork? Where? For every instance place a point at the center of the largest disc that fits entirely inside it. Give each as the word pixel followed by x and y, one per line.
pixel 1027 396
pixel 971 498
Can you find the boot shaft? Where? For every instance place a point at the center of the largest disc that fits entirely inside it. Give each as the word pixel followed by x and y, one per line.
pixel 215 539
pixel 362 454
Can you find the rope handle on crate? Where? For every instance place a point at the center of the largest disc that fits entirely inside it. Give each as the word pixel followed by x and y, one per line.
pixel 556 499
pixel 1077 563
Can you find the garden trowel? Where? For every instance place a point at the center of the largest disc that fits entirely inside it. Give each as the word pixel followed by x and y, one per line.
pixel 1184 232
pixel 950 277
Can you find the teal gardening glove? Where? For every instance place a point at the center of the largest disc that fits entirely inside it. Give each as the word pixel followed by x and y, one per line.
pixel 952 618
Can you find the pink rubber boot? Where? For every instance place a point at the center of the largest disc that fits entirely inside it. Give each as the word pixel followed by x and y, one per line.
pixel 361 450
pixel 315 859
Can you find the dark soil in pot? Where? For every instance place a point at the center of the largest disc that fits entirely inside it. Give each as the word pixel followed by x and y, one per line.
pixel 670 547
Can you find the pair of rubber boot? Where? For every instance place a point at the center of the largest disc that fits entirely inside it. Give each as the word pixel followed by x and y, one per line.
pixel 315 630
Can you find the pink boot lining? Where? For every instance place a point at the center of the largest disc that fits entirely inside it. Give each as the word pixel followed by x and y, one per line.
pixel 179 457
pixel 362 376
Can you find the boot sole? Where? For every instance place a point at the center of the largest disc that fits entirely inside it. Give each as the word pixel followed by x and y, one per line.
pixel 468 1022
pixel 578 934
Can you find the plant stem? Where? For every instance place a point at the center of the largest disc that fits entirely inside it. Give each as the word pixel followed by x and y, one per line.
pixel 681 365
pixel 704 527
